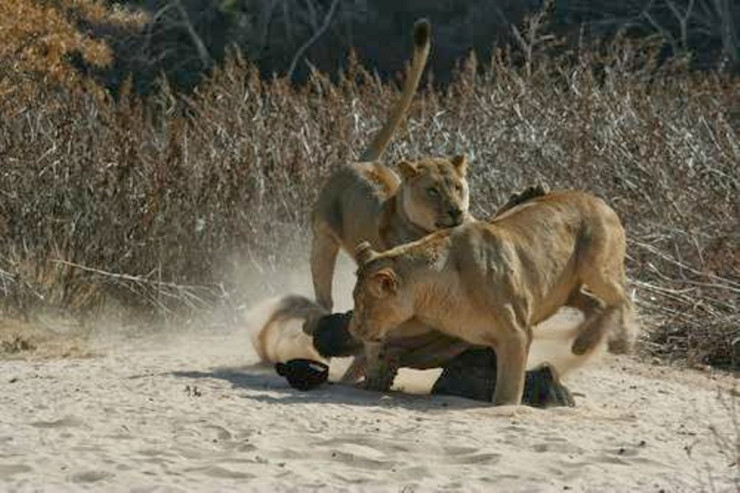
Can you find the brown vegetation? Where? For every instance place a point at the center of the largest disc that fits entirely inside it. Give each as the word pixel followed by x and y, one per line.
pixel 44 46
pixel 157 204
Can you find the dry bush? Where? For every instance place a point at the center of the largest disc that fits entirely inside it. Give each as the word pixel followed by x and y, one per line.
pixel 44 47
pixel 157 204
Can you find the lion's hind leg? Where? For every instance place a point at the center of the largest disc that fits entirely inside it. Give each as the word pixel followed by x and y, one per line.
pixel 324 251
pixel 613 318
pixel 594 327
pixel 623 333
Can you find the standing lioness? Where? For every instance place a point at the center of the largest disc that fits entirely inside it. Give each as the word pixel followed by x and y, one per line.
pixel 367 201
pixel 490 282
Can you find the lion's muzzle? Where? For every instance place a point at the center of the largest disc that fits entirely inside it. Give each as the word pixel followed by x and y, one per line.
pixel 453 217
pixel 363 330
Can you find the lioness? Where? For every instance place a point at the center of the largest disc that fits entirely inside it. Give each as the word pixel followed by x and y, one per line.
pixel 417 346
pixel 366 201
pixel 488 283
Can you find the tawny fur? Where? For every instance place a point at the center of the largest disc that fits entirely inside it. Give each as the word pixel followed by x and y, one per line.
pixel 489 283
pixel 417 346
pixel 367 201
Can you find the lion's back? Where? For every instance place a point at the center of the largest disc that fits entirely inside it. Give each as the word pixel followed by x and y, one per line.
pixel 352 200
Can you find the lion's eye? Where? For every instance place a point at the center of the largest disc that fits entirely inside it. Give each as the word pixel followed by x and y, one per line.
pixel 458 188
pixel 432 192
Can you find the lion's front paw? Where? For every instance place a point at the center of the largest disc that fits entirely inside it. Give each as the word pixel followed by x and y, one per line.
pixel 379 382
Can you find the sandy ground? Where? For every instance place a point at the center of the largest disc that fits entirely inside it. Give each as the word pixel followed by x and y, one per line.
pixel 193 413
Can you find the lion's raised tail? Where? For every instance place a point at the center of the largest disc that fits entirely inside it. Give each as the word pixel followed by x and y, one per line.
pixel 422 42
pixel 275 328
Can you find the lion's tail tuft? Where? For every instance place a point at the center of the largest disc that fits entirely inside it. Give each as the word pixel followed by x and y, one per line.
pixel 422 32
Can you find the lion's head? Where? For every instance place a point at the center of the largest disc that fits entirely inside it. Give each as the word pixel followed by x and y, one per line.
pixel 380 302
pixel 434 193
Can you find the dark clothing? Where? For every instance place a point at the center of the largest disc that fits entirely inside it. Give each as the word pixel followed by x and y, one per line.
pixel 472 374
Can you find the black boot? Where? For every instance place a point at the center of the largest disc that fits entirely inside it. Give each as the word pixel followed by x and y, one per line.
pixel 472 374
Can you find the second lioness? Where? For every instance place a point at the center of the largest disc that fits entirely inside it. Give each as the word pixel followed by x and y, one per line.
pixel 489 283
pixel 367 201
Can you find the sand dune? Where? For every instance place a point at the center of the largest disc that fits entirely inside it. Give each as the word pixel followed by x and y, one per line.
pixel 193 413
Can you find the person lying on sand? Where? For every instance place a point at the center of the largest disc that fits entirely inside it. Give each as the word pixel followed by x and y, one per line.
pixel 470 374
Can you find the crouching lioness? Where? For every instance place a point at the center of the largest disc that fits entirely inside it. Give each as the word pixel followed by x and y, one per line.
pixel 489 283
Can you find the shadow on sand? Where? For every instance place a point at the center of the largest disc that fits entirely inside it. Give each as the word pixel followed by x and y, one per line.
pixel 266 386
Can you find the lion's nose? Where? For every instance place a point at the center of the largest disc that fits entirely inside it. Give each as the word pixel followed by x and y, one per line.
pixel 455 214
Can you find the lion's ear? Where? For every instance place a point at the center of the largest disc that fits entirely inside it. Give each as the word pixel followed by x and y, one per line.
pixel 364 253
pixel 461 164
pixel 408 169
pixel 383 283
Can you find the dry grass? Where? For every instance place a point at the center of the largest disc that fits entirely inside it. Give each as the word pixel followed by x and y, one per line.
pixel 157 204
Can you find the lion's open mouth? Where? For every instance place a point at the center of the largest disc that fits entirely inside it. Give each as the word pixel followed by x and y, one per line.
pixel 448 223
